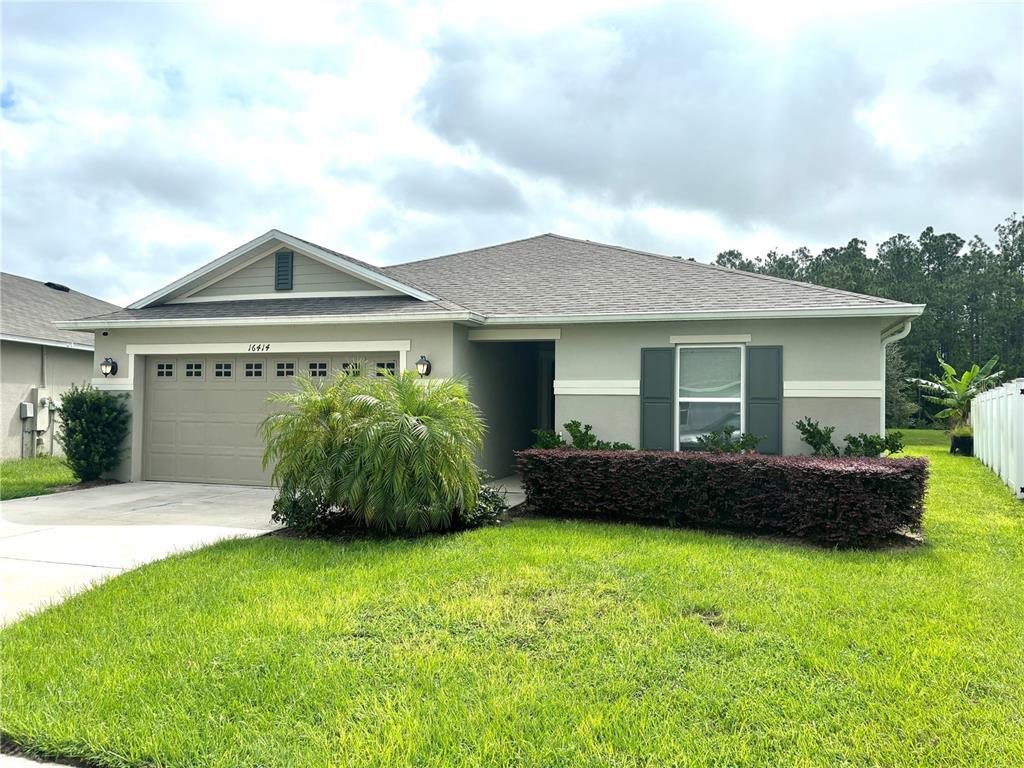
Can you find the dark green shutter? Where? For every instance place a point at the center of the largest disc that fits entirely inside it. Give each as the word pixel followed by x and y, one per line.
pixel 283 270
pixel 764 397
pixel 657 380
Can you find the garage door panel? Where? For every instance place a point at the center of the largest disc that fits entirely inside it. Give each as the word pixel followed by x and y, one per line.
pixel 192 434
pixel 205 428
pixel 162 435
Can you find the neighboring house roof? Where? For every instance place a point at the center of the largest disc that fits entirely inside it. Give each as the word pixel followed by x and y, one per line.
pixel 548 278
pixel 28 309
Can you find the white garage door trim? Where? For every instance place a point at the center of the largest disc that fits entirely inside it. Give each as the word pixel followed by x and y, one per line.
pixel 402 346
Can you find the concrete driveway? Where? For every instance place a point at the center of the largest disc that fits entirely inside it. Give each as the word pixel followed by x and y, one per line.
pixel 52 546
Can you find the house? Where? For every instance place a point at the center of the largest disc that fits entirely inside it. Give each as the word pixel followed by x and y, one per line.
pixel 38 361
pixel 649 349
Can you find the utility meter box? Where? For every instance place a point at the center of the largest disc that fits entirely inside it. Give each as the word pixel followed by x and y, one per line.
pixel 41 397
pixel 28 410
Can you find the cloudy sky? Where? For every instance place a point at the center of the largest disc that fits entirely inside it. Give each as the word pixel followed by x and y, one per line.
pixel 141 140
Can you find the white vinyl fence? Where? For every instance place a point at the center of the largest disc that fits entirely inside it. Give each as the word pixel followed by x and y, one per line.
pixel 998 420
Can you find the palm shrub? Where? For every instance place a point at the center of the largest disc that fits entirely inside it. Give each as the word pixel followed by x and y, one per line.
pixel 93 427
pixel 391 453
pixel 305 440
pixel 954 391
pixel 409 463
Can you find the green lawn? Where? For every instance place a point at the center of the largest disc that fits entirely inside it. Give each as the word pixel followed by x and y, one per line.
pixel 547 643
pixel 31 477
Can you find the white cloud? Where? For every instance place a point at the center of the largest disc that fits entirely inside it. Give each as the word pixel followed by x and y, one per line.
pixel 141 140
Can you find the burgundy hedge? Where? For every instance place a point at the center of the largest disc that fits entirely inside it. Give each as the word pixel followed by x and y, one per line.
pixel 841 502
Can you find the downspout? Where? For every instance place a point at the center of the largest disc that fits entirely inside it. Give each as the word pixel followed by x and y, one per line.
pixel 886 341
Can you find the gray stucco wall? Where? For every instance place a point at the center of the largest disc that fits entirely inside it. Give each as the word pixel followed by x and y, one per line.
pixel 23 367
pixel 502 376
pixel 814 350
pixel 614 417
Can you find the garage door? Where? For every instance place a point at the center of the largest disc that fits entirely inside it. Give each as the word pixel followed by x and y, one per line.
pixel 202 414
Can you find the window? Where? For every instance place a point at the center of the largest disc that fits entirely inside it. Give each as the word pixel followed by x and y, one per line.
pixel 194 370
pixel 317 369
pixel 710 396
pixel 254 370
pixel 222 370
pixel 285 369
pixel 351 368
pixel 385 368
pixel 165 370
pixel 283 263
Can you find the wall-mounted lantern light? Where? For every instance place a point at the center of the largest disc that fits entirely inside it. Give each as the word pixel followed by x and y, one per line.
pixel 423 366
pixel 108 367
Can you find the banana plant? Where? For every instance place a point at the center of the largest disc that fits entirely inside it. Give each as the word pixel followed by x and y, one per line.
pixel 955 391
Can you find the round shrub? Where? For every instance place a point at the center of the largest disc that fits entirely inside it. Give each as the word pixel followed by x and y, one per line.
pixel 392 453
pixel 93 426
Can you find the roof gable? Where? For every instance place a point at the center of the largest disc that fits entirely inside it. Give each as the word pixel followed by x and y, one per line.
pixel 209 275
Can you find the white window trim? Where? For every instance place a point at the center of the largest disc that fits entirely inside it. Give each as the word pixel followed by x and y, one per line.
pixel 231 370
pixel 174 369
pixel 295 369
pixel 262 369
pixel 675 387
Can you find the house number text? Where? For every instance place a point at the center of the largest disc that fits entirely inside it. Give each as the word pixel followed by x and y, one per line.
pixel 258 348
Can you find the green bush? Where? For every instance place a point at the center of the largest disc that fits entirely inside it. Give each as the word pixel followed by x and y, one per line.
pixel 305 511
pixel 391 453
pixel 724 442
pixel 93 425
pixel 820 440
pixel 548 439
pixel 490 506
pixel 873 445
pixel 582 437
pixel 817 436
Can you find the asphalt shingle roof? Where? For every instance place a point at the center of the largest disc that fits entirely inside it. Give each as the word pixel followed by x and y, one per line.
pixel 547 275
pixel 556 275
pixel 28 309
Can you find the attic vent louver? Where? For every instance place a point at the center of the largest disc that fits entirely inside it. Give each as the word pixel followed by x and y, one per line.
pixel 58 287
pixel 283 270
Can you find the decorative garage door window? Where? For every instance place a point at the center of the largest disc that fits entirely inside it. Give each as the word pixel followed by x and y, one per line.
pixel 318 369
pixel 194 369
pixel 285 368
pixel 384 368
pixel 165 370
pixel 710 391
pixel 254 370
pixel 222 370
pixel 350 368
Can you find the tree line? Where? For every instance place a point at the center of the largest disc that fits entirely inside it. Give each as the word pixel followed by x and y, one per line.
pixel 974 291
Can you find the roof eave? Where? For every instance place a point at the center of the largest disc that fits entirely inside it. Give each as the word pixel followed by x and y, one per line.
pixel 60 343
pixel 192 322
pixel 375 278
pixel 891 310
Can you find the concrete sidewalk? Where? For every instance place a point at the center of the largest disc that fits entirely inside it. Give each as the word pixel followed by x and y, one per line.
pixel 52 546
